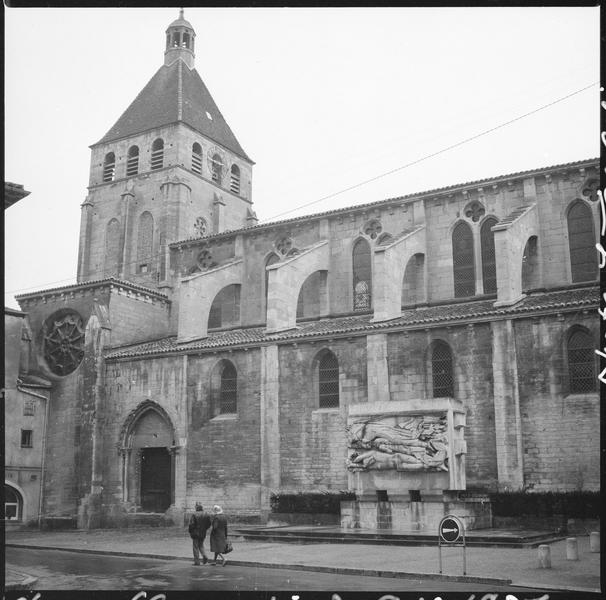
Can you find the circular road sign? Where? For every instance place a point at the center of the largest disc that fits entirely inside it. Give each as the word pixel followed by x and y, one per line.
pixel 450 529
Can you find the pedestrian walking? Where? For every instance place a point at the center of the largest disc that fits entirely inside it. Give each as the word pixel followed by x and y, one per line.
pixel 218 534
pixel 199 523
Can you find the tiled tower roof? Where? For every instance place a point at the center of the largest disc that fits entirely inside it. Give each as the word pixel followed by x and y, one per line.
pixel 175 94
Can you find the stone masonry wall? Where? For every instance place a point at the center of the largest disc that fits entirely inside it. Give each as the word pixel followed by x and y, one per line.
pixel 471 351
pixel 312 440
pixel 560 431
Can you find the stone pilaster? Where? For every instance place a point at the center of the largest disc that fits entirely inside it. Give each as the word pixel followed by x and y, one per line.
pixel 270 424
pixel 377 371
pixel 508 422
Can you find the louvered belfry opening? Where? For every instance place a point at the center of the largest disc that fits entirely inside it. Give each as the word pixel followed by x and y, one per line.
pixel 489 263
pixel 463 261
pixel 157 155
pixel 132 162
pixel 229 389
pixel 196 158
pixel 581 362
pixel 441 371
pixel 328 377
pixel 362 276
pixel 581 241
pixel 217 169
pixel 234 184
pixel 109 167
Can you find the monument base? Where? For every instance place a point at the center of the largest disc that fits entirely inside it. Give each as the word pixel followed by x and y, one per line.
pixel 422 513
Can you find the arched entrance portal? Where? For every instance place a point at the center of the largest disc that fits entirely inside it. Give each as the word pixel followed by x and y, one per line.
pixel 13 504
pixel 148 459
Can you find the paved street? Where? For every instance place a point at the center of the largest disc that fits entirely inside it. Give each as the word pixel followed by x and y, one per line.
pixel 68 570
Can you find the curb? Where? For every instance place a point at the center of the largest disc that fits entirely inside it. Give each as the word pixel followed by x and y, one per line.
pixel 294 567
pixel 25 581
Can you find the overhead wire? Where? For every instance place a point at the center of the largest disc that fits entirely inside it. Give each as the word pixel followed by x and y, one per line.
pixel 367 181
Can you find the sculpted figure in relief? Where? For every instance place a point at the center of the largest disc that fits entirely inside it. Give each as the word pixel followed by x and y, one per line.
pixel 418 443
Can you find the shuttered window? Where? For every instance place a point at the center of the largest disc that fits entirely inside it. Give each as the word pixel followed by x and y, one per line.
pixel 362 278
pixel 489 266
pixel 581 241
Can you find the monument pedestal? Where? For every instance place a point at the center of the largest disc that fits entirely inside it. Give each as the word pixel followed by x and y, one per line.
pixel 407 466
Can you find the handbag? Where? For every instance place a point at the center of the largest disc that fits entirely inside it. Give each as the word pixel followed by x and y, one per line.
pixel 228 548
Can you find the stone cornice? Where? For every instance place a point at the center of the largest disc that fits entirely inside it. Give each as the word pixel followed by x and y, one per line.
pixel 110 284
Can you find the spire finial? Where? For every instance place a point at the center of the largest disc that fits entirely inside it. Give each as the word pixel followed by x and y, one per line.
pixel 181 13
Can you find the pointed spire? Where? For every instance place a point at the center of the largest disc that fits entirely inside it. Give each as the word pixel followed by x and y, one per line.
pixel 180 42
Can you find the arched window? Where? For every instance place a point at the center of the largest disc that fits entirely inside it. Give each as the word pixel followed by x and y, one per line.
pixel 312 296
pixel 132 162
pixel 217 169
pixel 413 282
pixel 530 265
pixel 463 261
pixel 489 265
pixel 328 380
pixel 581 241
pixel 362 276
pixel 145 242
pixel 196 158
pixel 234 184
pixel 228 399
pixel 441 370
pixel 112 248
pixel 157 155
pixel 581 362
pixel 272 260
pixel 225 309
pixel 109 167
pixel 13 504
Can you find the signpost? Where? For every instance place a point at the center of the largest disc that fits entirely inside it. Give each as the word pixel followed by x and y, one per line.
pixel 451 532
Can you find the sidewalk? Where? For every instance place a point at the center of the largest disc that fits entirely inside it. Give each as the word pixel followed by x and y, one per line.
pixel 484 565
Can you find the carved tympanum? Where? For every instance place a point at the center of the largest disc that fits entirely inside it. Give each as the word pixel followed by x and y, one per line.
pixel 418 443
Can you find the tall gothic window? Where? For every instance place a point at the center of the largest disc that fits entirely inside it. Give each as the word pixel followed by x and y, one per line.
pixel 581 362
pixel 234 184
pixel 228 400
pixel 109 167
pixel 328 379
pixel 441 370
pixel 196 158
pixel 463 261
pixel 145 242
pixel 112 248
pixel 489 265
pixel 530 264
pixel 157 155
pixel 362 277
pixel 581 242
pixel 132 162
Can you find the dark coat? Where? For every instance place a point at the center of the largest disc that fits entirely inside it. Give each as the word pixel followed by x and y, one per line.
pixel 218 534
pixel 199 523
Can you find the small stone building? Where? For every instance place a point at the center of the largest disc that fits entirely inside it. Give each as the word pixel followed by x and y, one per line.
pixel 205 357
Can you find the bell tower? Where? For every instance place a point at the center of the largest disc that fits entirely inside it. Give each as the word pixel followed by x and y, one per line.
pixel 168 170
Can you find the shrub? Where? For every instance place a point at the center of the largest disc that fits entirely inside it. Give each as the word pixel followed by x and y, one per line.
pixel 309 502
pixel 578 505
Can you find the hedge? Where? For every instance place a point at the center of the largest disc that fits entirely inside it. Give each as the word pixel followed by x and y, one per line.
pixel 578 505
pixel 310 502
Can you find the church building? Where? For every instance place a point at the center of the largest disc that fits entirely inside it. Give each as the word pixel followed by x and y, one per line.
pixel 202 356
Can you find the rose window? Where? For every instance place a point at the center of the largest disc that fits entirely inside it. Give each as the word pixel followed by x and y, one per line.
pixel 284 245
pixel 63 335
pixel 372 229
pixel 590 189
pixel 474 211
pixel 205 260
pixel 200 226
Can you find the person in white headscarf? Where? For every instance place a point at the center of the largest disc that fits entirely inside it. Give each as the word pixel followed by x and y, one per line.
pixel 218 534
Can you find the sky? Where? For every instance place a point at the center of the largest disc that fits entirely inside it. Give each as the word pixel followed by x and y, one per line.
pixel 322 99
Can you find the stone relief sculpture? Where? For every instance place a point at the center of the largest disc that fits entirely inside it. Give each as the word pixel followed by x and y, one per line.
pixel 417 443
